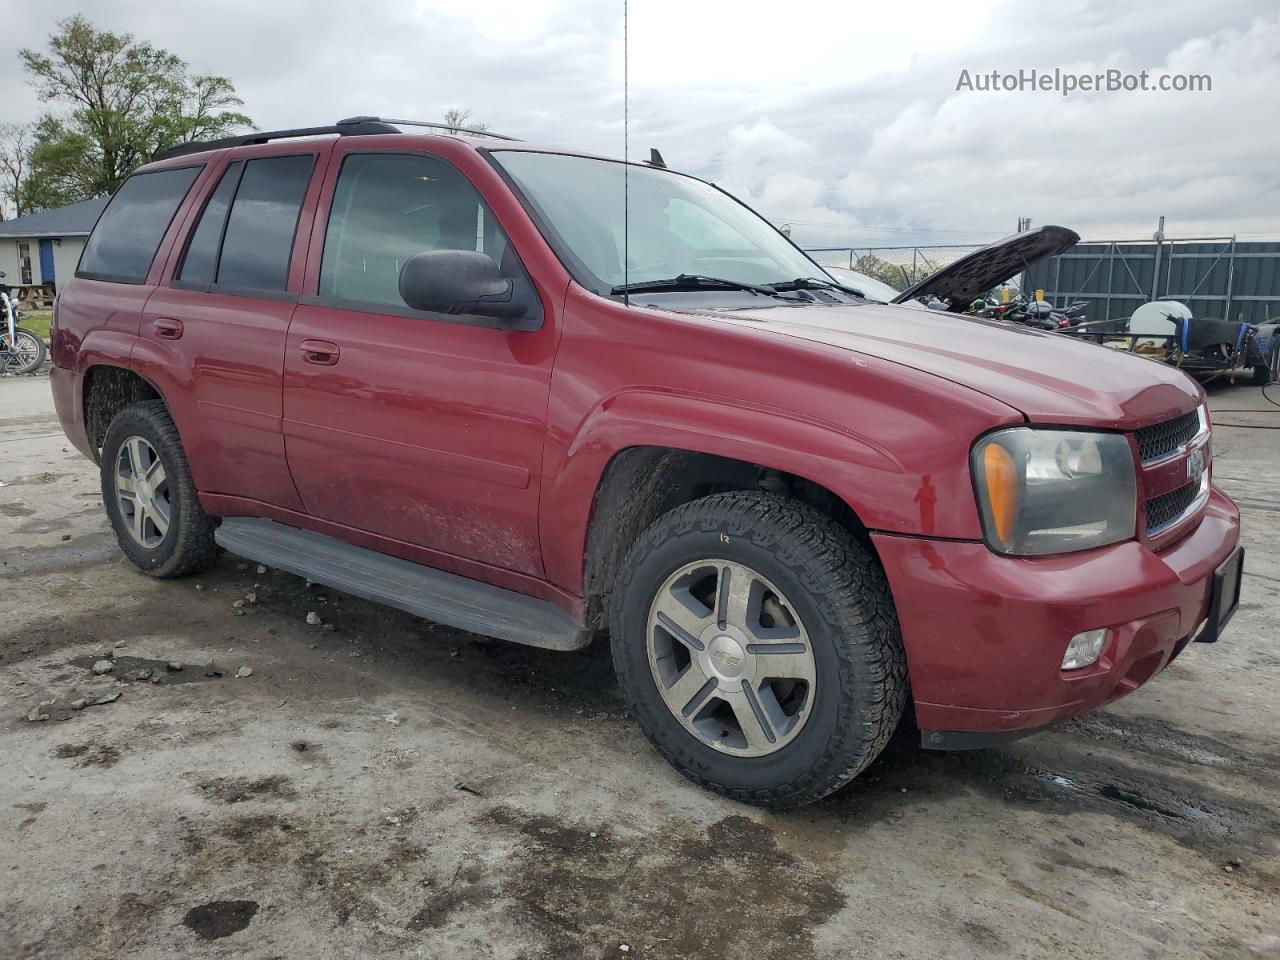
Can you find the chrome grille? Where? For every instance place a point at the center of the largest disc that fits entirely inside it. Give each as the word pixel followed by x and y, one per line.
pixel 1161 439
pixel 1169 507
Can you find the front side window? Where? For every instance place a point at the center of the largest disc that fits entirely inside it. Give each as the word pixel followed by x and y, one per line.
pixel 129 232
pixel 390 207
pixel 678 224
pixel 258 241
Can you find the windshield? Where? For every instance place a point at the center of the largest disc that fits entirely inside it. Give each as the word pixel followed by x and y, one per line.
pixel 678 225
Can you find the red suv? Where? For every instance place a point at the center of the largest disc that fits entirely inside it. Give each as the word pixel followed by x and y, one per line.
pixel 545 396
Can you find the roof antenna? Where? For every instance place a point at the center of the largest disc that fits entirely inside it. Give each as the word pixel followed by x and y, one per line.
pixel 626 166
pixel 655 158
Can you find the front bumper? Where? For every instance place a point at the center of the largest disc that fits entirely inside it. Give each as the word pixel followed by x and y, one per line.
pixel 985 634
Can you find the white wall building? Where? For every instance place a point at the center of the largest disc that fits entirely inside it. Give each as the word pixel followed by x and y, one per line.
pixel 40 251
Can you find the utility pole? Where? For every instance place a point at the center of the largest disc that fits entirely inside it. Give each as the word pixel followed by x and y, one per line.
pixel 1158 237
pixel 1024 223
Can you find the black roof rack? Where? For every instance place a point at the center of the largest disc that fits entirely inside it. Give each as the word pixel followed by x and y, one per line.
pixel 350 127
pixel 428 123
pixel 357 126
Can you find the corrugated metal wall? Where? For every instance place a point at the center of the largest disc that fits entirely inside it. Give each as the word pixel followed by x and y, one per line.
pixel 1221 278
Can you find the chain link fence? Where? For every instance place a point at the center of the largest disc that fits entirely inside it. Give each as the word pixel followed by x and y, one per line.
pixel 899 267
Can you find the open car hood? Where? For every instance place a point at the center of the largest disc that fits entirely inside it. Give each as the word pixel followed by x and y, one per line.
pixel 976 273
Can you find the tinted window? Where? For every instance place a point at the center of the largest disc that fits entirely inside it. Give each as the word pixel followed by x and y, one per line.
pixel 387 208
pixel 129 232
pixel 264 216
pixel 202 252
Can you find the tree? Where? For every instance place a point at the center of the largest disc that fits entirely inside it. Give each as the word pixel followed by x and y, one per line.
pixel 15 165
pixel 127 100
pixel 884 271
pixel 455 118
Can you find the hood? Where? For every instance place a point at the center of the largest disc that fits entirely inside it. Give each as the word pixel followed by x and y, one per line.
pixel 977 272
pixel 1046 377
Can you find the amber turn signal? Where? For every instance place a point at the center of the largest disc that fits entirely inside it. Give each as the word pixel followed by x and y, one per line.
pixel 1002 489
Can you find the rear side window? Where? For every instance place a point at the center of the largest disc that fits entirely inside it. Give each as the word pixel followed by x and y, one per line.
pixel 129 232
pixel 201 260
pixel 258 239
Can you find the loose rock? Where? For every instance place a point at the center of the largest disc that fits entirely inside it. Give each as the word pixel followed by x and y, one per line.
pixel 261 568
pixel 244 672
pixel 237 604
pixel 103 667
pixel 313 618
pixel 174 666
pixel 251 598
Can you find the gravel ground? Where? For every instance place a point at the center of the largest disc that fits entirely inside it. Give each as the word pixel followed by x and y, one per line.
pixel 377 786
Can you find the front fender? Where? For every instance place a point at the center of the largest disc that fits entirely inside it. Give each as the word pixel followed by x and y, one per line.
pixel 886 490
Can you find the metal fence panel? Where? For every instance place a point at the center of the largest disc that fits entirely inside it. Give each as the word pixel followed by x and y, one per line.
pixel 1218 277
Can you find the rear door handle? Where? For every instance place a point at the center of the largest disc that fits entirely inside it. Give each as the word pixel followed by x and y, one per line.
pixel 320 351
pixel 167 329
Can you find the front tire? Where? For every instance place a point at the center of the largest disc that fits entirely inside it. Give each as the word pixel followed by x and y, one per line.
pixel 24 354
pixel 756 642
pixel 149 496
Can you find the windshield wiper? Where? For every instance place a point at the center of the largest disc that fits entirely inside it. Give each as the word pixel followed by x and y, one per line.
pixel 813 283
pixel 696 281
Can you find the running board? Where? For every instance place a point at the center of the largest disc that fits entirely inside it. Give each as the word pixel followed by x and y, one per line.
pixel 425 592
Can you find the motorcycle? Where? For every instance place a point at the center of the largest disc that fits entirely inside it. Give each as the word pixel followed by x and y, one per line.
pixel 21 351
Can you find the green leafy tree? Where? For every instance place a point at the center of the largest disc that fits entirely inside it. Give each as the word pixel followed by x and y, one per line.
pixel 126 99
pixel 883 270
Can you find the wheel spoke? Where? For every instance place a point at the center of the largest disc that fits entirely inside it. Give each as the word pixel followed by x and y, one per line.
pixel 679 620
pixel 139 522
pixel 786 666
pixel 134 448
pixel 751 718
pixel 689 691
pixel 155 473
pixel 125 486
pixel 740 596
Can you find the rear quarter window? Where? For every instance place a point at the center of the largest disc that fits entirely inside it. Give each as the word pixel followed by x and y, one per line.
pixel 128 234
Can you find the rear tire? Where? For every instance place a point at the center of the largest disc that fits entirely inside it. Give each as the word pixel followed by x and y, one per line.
pixel 149 496
pixel 810 584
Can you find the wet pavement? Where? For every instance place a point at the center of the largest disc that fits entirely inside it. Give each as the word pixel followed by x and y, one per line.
pixel 392 788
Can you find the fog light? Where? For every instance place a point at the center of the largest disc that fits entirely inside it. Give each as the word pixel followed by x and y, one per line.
pixel 1084 649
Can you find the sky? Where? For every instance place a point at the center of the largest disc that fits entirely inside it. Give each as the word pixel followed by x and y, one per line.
pixel 841 119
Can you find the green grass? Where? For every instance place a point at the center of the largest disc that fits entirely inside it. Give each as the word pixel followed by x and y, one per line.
pixel 38 323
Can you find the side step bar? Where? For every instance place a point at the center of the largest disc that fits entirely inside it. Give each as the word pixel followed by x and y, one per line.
pixel 431 594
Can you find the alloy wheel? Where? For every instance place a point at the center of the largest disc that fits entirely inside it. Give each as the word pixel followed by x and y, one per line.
pixel 142 492
pixel 731 658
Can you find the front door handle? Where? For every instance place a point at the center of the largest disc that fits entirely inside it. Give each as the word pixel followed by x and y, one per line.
pixel 320 351
pixel 167 329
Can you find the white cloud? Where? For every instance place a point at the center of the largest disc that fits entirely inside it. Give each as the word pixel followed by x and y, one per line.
pixel 1106 163
pixel 841 119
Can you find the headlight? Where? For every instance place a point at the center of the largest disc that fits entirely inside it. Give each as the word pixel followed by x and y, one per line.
pixel 1054 491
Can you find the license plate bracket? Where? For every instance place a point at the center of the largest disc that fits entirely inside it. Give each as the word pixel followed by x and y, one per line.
pixel 1224 598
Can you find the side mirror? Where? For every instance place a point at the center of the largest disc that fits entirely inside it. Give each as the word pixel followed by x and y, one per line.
pixel 463 282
